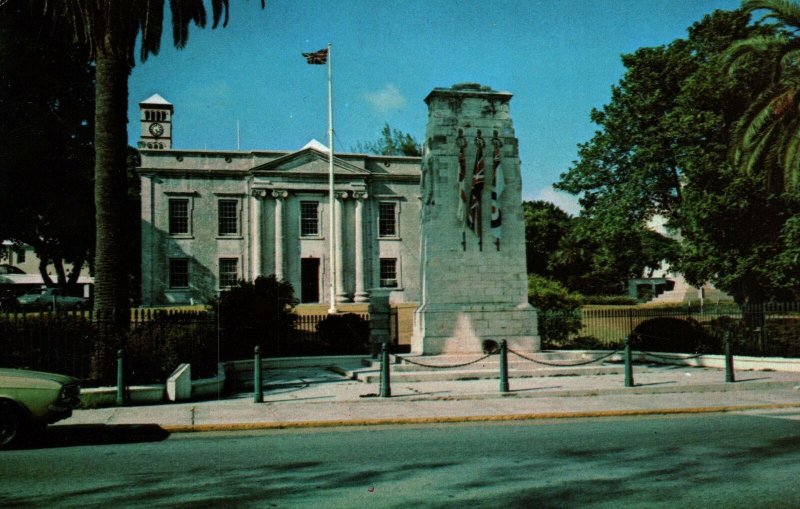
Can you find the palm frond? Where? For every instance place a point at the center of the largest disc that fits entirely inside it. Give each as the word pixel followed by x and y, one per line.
pixel 783 11
pixel 791 160
pixel 151 21
pixel 756 45
pixel 758 154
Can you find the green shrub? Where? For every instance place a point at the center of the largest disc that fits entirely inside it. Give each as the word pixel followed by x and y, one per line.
pixel 256 313
pixel 344 334
pixel 154 349
pixel 608 300
pixel 558 310
pixel 670 334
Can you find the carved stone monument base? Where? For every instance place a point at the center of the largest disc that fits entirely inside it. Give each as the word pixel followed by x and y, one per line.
pixel 454 328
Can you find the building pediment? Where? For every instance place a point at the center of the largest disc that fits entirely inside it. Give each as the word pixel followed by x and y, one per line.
pixel 309 161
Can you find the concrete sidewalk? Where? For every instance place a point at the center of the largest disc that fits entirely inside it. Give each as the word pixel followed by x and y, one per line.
pixel 314 396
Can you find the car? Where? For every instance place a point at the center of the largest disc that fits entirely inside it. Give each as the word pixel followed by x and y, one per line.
pixel 51 299
pixel 10 269
pixel 30 400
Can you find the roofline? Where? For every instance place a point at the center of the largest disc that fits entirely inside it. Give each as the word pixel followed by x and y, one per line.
pixel 378 157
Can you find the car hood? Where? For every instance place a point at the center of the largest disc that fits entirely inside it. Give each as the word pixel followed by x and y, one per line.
pixel 36 375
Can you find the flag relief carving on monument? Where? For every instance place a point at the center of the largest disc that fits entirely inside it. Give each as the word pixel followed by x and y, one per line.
pixel 463 183
pixel 498 186
pixel 478 179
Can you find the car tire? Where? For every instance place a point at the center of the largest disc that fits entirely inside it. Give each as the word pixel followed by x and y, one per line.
pixel 10 424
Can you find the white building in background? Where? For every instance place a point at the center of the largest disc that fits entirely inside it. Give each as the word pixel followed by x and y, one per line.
pixel 210 218
pixel 19 267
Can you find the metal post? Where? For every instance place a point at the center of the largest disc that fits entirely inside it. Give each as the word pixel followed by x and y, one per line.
pixel 258 391
pixel 628 363
pixel 503 366
pixel 729 376
pixel 120 377
pixel 386 390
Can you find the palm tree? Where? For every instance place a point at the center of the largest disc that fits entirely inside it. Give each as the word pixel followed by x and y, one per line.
pixel 111 29
pixel 767 136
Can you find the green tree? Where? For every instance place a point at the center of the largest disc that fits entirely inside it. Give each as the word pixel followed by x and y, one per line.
pixel 767 136
pixel 111 29
pixel 545 226
pixel 392 142
pixel 663 148
pixel 47 146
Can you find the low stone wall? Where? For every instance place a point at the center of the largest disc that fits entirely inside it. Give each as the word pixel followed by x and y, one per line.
pixel 97 397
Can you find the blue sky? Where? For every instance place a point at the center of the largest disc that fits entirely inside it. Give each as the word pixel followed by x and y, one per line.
pixel 558 57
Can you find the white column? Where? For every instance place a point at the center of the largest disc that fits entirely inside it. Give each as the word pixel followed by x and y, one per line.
pixel 279 197
pixel 341 295
pixel 360 295
pixel 256 201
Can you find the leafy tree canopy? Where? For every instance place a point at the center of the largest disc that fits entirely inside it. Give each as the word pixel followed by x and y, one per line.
pixel 393 142
pixel 663 147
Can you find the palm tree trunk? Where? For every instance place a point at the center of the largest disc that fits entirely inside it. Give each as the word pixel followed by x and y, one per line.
pixel 111 142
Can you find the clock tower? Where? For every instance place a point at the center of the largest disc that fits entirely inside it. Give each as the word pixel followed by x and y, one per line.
pixel 156 119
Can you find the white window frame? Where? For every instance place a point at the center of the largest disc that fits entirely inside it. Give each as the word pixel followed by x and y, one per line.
pixel 170 273
pixel 385 282
pixel 237 207
pixel 396 206
pixel 171 195
pixel 318 233
pixel 219 271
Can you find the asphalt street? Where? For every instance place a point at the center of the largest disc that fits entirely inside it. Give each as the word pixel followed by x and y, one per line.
pixel 748 459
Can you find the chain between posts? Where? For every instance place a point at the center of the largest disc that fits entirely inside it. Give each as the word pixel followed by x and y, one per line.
pixel 441 366
pixel 557 365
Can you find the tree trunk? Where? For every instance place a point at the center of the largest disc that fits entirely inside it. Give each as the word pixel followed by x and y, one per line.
pixel 43 261
pixel 111 142
pixel 58 264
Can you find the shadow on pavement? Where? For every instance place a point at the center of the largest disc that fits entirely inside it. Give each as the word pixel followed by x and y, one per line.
pixel 67 435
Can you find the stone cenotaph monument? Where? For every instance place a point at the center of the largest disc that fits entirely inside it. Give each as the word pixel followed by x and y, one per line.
pixel 472 254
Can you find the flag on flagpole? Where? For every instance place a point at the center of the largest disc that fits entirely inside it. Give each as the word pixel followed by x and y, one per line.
pixel 498 186
pixel 317 57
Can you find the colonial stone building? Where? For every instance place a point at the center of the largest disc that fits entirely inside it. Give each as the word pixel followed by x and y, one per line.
pixel 210 218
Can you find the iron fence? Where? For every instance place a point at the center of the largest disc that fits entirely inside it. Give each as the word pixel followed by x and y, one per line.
pixel 83 345
pixel 756 329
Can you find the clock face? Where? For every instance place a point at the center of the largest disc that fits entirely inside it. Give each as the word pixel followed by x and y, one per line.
pixel 156 129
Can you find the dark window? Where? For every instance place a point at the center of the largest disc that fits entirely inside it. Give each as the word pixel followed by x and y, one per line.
pixel 228 274
pixel 387 219
pixel 228 217
pixel 309 218
pixel 178 272
pixel 20 255
pixel 388 273
pixel 178 216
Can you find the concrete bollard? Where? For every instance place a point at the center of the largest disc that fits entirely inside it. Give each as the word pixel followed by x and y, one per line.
pixel 120 377
pixel 258 391
pixel 628 363
pixel 503 366
pixel 386 390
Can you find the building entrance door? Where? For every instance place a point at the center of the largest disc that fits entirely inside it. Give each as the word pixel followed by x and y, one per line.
pixel 309 280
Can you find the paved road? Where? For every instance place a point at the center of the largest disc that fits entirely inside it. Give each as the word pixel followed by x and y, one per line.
pixel 715 460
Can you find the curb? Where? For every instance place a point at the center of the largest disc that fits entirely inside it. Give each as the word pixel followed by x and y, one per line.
pixel 199 428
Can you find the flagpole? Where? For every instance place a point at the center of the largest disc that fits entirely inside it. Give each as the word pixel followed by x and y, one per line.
pixel 331 199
